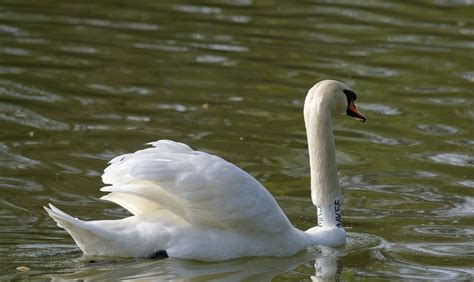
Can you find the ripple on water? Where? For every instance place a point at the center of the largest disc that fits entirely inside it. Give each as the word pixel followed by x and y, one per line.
pixel 366 70
pixel 16 183
pixel 79 49
pixel 213 59
pixel 442 101
pixel 462 142
pixel 17 90
pixel 346 158
pixel 462 249
pixel 44 250
pixel 468 183
pixel 105 156
pixel 468 75
pixel 379 139
pixel 400 270
pixel 122 90
pixel 198 9
pixel 138 118
pixel 140 26
pixel 68 169
pixel 442 230
pixel 468 113
pixel 415 191
pixel 20 115
pixel 426 174
pixel 466 208
pixel 436 129
pixel 169 47
pixel 221 47
pixel 379 108
pixel 358 241
pixel 176 107
pixel 453 159
pixel 370 71
pixel 448 101
pixel 15 161
pixel 13 30
pixel 14 51
pixel 10 70
pixel 432 89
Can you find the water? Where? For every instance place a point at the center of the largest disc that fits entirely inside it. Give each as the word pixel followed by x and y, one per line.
pixel 81 83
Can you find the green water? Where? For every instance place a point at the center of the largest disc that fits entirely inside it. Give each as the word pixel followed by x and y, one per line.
pixel 83 82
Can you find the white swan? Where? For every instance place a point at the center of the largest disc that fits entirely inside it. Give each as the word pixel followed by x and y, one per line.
pixel 192 205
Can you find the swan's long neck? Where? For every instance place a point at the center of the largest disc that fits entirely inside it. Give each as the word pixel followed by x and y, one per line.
pixel 325 189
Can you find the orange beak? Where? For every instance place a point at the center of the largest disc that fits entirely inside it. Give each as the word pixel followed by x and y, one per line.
pixel 354 112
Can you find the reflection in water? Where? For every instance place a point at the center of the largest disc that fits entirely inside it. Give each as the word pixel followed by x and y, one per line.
pixel 327 267
pixel 327 264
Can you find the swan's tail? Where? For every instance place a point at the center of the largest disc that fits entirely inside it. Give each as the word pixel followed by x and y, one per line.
pixel 88 236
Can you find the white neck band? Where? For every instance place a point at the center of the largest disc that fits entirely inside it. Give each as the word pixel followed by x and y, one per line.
pixel 330 215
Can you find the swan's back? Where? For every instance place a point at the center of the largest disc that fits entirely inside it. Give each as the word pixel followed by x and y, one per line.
pixel 202 189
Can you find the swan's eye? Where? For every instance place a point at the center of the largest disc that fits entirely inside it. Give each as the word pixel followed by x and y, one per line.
pixel 350 95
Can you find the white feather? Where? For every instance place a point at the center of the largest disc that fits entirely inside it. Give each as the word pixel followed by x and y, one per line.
pixel 202 189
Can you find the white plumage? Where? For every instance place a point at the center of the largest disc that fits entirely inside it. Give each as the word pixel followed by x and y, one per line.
pixel 191 205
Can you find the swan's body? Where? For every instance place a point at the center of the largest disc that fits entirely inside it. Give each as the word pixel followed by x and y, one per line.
pixel 193 205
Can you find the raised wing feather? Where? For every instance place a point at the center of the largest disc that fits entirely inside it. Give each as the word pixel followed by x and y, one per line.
pixel 202 189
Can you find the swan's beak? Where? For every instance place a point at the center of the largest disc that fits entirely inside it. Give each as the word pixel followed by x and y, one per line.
pixel 354 112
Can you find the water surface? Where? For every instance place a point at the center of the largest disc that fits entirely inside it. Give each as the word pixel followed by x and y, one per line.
pixel 83 82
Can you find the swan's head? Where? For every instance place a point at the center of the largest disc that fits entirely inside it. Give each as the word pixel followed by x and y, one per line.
pixel 334 96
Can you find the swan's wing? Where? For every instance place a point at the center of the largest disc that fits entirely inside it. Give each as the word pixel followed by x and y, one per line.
pixel 202 189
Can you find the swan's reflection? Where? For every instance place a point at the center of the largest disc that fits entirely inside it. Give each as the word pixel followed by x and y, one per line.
pixel 328 267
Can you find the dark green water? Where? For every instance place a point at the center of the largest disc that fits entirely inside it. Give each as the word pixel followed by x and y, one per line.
pixel 81 83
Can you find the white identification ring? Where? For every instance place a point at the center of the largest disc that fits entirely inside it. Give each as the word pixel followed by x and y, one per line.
pixel 330 215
